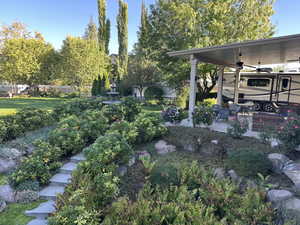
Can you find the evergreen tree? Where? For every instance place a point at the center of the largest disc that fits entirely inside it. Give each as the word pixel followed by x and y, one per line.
pixel 107 36
pixel 123 38
pixel 102 24
pixel 99 85
pixel 94 88
pixel 91 31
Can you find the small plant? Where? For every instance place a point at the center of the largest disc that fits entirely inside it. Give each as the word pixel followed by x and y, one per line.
pixel 238 129
pixel 28 185
pixel 27 196
pixel 172 114
pixel 203 114
pixel 148 164
pixel 264 181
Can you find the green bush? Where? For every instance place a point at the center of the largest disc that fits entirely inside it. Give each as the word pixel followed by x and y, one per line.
pixel 237 129
pixel 248 162
pixel 149 126
pixel 131 108
pixel 28 185
pixel 127 130
pixel 114 112
pixel 203 114
pixel 154 92
pixel 164 175
pixel 3 130
pixel 182 98
pixel 210 102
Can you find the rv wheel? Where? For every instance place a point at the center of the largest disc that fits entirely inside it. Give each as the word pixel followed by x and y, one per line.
pixel 257 106
pixel 268 107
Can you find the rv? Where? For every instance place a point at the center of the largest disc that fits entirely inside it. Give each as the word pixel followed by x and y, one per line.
pixel 268 91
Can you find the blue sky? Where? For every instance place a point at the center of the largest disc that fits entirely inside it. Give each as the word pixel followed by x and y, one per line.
pixel 56 19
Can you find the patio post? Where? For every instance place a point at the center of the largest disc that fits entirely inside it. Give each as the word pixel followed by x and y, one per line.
pixel 220 85
pixel 192 97
pixel 237 85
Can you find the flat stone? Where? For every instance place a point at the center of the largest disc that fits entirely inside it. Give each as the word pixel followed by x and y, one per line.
pixel 163 148
pixel 7 165
pixel 38 222
pixel 279 161
pixel 43 210
pixel 293 172
pixel 7 193
pixel 276 196
pixel 61 179
pixel 50 192
pixel 78 158
pixel 68 167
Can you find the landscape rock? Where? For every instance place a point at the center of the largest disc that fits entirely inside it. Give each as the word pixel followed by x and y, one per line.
pixel 163 148
pixel 220 173
pixel 122 170
pixel 233 175
pixel 6 165
pixel 169 124
pixel 277 196
pixel 2 205
pixel 291 209
pixel 279 161
pixel 144 154
pixel 11 153
pixel 131 162
pixel 292 170
pixel 7 193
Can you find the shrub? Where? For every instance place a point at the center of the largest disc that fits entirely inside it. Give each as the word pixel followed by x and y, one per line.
pixel 164 175
pixel 237 129
pixel 289 133
pixel 203 114
pixel 154 92
pixel 28 185
pixel 113 112
pixel 248 162
pixel 182 98
pixel 131 108
pixel 172 114
pixel 149 126
pixel 27 196
pixel 127 130
pixel 3 130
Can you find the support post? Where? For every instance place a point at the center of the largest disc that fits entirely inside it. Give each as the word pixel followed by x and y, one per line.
pixel 220 85
pixel 237 85
pixel 192 99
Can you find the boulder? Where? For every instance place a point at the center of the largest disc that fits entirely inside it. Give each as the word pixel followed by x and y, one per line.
pixel 144 154
pixel 7 193
pixel 278 196
pixel 292 170
pixel 163 148
pixel 6 165
pixel 279 161
pixel 220 173
pixel 233 175
pixel 291 209
pixel 2 205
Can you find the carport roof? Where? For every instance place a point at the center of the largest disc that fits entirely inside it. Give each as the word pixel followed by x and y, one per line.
pixel 264 51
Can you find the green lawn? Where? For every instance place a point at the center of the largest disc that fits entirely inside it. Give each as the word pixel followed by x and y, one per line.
pixel 10 106
pixel 14 213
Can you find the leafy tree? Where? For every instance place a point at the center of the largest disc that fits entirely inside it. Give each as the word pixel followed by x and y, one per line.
pixel 142 73
pixel 123 38
pixel 27 61
pixel 209 23
pixel 14 31
pixel 91 31
pixel 81 62
pixel 102 24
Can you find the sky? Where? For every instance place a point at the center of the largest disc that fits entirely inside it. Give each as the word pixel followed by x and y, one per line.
pixel 56 19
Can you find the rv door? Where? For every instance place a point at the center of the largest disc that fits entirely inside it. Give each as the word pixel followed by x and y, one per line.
pixel 283 89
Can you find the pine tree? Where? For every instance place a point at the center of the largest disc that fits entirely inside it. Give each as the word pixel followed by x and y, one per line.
pixel 91 31
pixel 99 85
pixel 94 88
pixel 107 36
pixel 122 20
pixel 102 24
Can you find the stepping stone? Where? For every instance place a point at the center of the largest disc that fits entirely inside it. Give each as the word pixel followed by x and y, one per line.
pixel 61 179
pixel 68 167
pixel 42 211
pixel 50 192
pixel 78 158
pixel 38 222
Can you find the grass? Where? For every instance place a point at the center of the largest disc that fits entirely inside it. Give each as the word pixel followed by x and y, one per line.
pixel 10 106
pixel 152 108
pixel 14 213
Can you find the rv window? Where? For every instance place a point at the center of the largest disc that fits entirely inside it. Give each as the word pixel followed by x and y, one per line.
pixel 258 82
pixel 285 83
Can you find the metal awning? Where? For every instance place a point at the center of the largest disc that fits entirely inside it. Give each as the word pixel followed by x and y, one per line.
pixel 264 51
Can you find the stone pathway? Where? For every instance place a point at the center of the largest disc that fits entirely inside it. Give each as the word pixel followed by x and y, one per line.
pixel 57 186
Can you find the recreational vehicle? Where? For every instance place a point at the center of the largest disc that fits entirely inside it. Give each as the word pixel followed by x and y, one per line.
pixel 268 91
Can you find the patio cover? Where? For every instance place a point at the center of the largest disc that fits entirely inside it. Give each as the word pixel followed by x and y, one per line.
pixel 259 52
pixel 264 51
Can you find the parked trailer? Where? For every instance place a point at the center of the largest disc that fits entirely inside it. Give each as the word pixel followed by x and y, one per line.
pixel 268 91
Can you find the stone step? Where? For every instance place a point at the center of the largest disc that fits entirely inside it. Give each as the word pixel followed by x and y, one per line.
pixel 38 222
pixel 42 211
pixel 68 168
pixel 78 158
pixel 61 179
pixel 50 192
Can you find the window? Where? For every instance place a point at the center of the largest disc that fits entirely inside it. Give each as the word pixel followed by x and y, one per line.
pixel 285 83
pixel 258 82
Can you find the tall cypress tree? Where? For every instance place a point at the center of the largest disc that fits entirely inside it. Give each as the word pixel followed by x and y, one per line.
pixel 143 34
pixel 102 24
pixel 122 20
pixel 91 31
pixel 107 36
